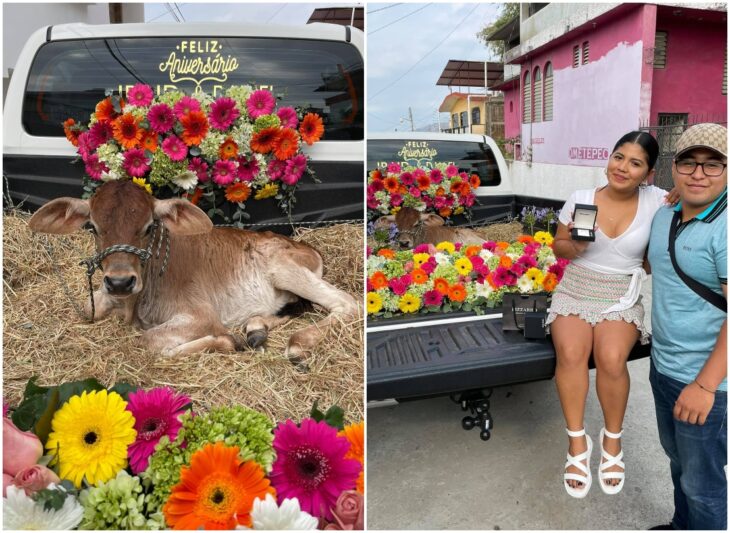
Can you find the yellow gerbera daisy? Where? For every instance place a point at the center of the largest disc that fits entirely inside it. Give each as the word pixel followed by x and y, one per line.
pixel 267 191
pixel 535 275
pixel 409 303
pixel 142 183
pixel 420 259
pixel 446 246
pixel 543 237
pixel 90 435
pixel 374 302
pixel 464 266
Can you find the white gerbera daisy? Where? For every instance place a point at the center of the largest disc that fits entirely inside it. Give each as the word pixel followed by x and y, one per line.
pixel 110 176
pixel 186 180
pixel 22 512
pixel 267 515
pixel 484 289
pixel 485 254
pixel 524 284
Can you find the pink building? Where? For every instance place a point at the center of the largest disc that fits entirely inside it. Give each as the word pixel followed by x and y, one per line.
pixel 581 75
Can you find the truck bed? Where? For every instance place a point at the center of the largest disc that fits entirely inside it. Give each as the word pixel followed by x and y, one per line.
pixel 425 356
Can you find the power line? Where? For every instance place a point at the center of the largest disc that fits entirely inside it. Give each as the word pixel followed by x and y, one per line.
pixel 276 13
pixel 383 119
pixel 179 11
pixel 172 12
pixel 384 8
pixel 398 20
pixel 424 56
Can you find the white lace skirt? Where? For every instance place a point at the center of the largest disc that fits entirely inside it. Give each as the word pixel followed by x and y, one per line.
pixel 585 293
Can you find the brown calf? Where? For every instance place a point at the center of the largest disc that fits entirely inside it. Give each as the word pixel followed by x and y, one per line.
pixel 416 228
pixel 214 278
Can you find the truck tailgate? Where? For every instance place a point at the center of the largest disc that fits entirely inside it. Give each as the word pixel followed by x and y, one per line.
pixel 427 359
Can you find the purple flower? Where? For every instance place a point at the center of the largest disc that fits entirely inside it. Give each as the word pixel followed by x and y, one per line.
pixel 527 261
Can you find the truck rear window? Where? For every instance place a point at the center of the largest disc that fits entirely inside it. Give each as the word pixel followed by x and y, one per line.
pixel 470 157
pixel 68 78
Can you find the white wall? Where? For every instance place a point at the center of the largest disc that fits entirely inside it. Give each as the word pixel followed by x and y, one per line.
pixel 556 182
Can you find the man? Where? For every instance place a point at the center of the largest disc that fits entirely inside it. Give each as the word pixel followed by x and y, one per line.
pixel 689 344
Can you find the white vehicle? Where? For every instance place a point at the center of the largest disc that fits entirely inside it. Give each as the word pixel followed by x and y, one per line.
pixel 63 71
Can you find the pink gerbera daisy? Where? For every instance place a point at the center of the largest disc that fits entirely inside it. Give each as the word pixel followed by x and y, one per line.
pixel 288 117
pixel 161 118
pixel 223 112
pixel 276 169
pixel 502 277
pixel 260 103
pixel 174 148
pixel 451 171
pixel 436 176
pixel 86 146
pixel 186 105
pixel 294 169
pixel 156 413
pixel 135 162
pixel 140 95
pixel 224 172
pixel 372 201
pixel 200 168
pixel 429 266
pixel 248 169
pixel 432 298
pixel 311 466
pixel 393 168
pixel 100 133
pixel 396 199
pixel 94 167
pixel 407 178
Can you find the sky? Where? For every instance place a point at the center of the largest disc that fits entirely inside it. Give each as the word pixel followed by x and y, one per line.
pixel 395 49
pixel 273 13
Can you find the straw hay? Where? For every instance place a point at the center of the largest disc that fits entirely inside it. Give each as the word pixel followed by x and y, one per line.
pixel 44 336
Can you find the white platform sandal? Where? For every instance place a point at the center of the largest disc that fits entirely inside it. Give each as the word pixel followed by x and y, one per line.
pixel 611 460
pixel 577 461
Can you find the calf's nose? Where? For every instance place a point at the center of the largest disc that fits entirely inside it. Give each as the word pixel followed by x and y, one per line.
pixel 405 244
pixel 120 284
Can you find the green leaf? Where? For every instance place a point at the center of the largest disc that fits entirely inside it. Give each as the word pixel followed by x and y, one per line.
pixel 116 104
pixel 25 416
pixel 75 388
pixel 315 413
pixel 42 426
pixel 466 307
pixel 31 389
pixel 123 389
pixel 194 151
pixel 51 499
pixel 335 416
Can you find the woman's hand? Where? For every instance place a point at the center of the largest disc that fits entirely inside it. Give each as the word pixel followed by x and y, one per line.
pixel 672 197
pixel 580 246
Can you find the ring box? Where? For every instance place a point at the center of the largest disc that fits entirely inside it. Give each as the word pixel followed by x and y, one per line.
pixel 584 220
pixel 535 324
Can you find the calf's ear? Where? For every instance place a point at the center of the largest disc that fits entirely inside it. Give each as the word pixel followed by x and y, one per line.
pixel 181 217
pixel 62 215
pixel 384 222
pixel 431 219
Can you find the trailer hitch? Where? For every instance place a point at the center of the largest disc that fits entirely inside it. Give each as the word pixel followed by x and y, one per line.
pixel 477 402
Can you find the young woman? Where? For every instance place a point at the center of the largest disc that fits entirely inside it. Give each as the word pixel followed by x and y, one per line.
pixel 597 307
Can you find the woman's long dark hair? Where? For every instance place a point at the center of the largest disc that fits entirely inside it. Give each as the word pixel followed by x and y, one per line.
pixel 646 141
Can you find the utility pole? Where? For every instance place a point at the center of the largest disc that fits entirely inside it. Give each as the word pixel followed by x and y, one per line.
pixel 409 119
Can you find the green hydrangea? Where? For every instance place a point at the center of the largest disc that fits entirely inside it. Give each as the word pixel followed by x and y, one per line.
pixel 413 202
pixel 163 168
pixel 448 272
pixel 120 503
pixel 107 152
pixel 170 98
pixel 240 93
pixel 375 263
pixel 404 255
pixel 242 133
pixel 393 269
pixel 545 256
pixel 390 300
pixel 493 262
pixel 211 144
pixel 137 112
pixel 266 121
pixel 516 248
pixel 238 426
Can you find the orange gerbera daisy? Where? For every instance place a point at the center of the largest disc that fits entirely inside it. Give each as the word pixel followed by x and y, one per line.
pixel 474 181
pixel 238 192
pixel 355 434
pixel 149 140
pixel 456 186
pixel 195 197
pixel 217 491
pixel 379 280
pixel 465 189
pixel 472 250
pixel 263 141
pixel 440 191
pixel 457 293
pixel 441 285
pixel 195 126
pixel 445 212
pixel 424 182
pixel 105 109
pixel 376 175
pixel 502 245
pixel 419 276
pixel 228 150
pixel 402 189
pixel 311 128
pixel 525 239
pixel 550 281
pixel 491 281
pixel 127 131
pixel 505 261
pixel 71 135
pixel 391 185
pixel 387 253
pixel 286 144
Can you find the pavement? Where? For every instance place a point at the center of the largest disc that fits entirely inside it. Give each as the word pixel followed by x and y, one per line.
pixel 425 472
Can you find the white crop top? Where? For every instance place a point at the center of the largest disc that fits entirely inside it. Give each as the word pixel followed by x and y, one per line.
pixel 625 253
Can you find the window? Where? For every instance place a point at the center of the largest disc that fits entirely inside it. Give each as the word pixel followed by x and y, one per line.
pixel 724 75
pixel 68 78
pixel 526 100
pixel 511 107
pixel 671 127
pixel 476 115
pixel 538 96
pixel 464 120
pixel 454 121
pixel 548 91
pixel 586 52
pixel 576 56
pixel 660 49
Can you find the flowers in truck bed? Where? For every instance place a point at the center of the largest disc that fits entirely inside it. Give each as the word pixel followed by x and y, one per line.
pixel 451 276
pixel 153 464
pixel 443 190
pixel 215 151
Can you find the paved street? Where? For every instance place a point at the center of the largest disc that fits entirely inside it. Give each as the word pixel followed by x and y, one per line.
pixel 426 472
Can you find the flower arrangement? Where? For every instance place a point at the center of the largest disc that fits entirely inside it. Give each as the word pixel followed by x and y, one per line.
pixel 530 216
pixel 442 189
pixel 451 276
pixel 125 458
pixel 213 151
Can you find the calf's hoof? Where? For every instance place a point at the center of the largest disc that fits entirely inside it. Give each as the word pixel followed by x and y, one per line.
pixel 256 338
pixel 297 356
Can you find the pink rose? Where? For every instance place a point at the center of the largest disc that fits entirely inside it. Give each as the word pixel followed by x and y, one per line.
pixel 348 512
pixel 35 478
pixel 21 449
pixel 7 481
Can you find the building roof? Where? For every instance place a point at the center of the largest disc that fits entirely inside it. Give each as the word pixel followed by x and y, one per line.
pixel 451 100
pixel 506 32
pixel 462 73
pixel 344 16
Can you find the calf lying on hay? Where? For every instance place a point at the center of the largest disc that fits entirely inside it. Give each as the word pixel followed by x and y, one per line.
pixel 44 335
